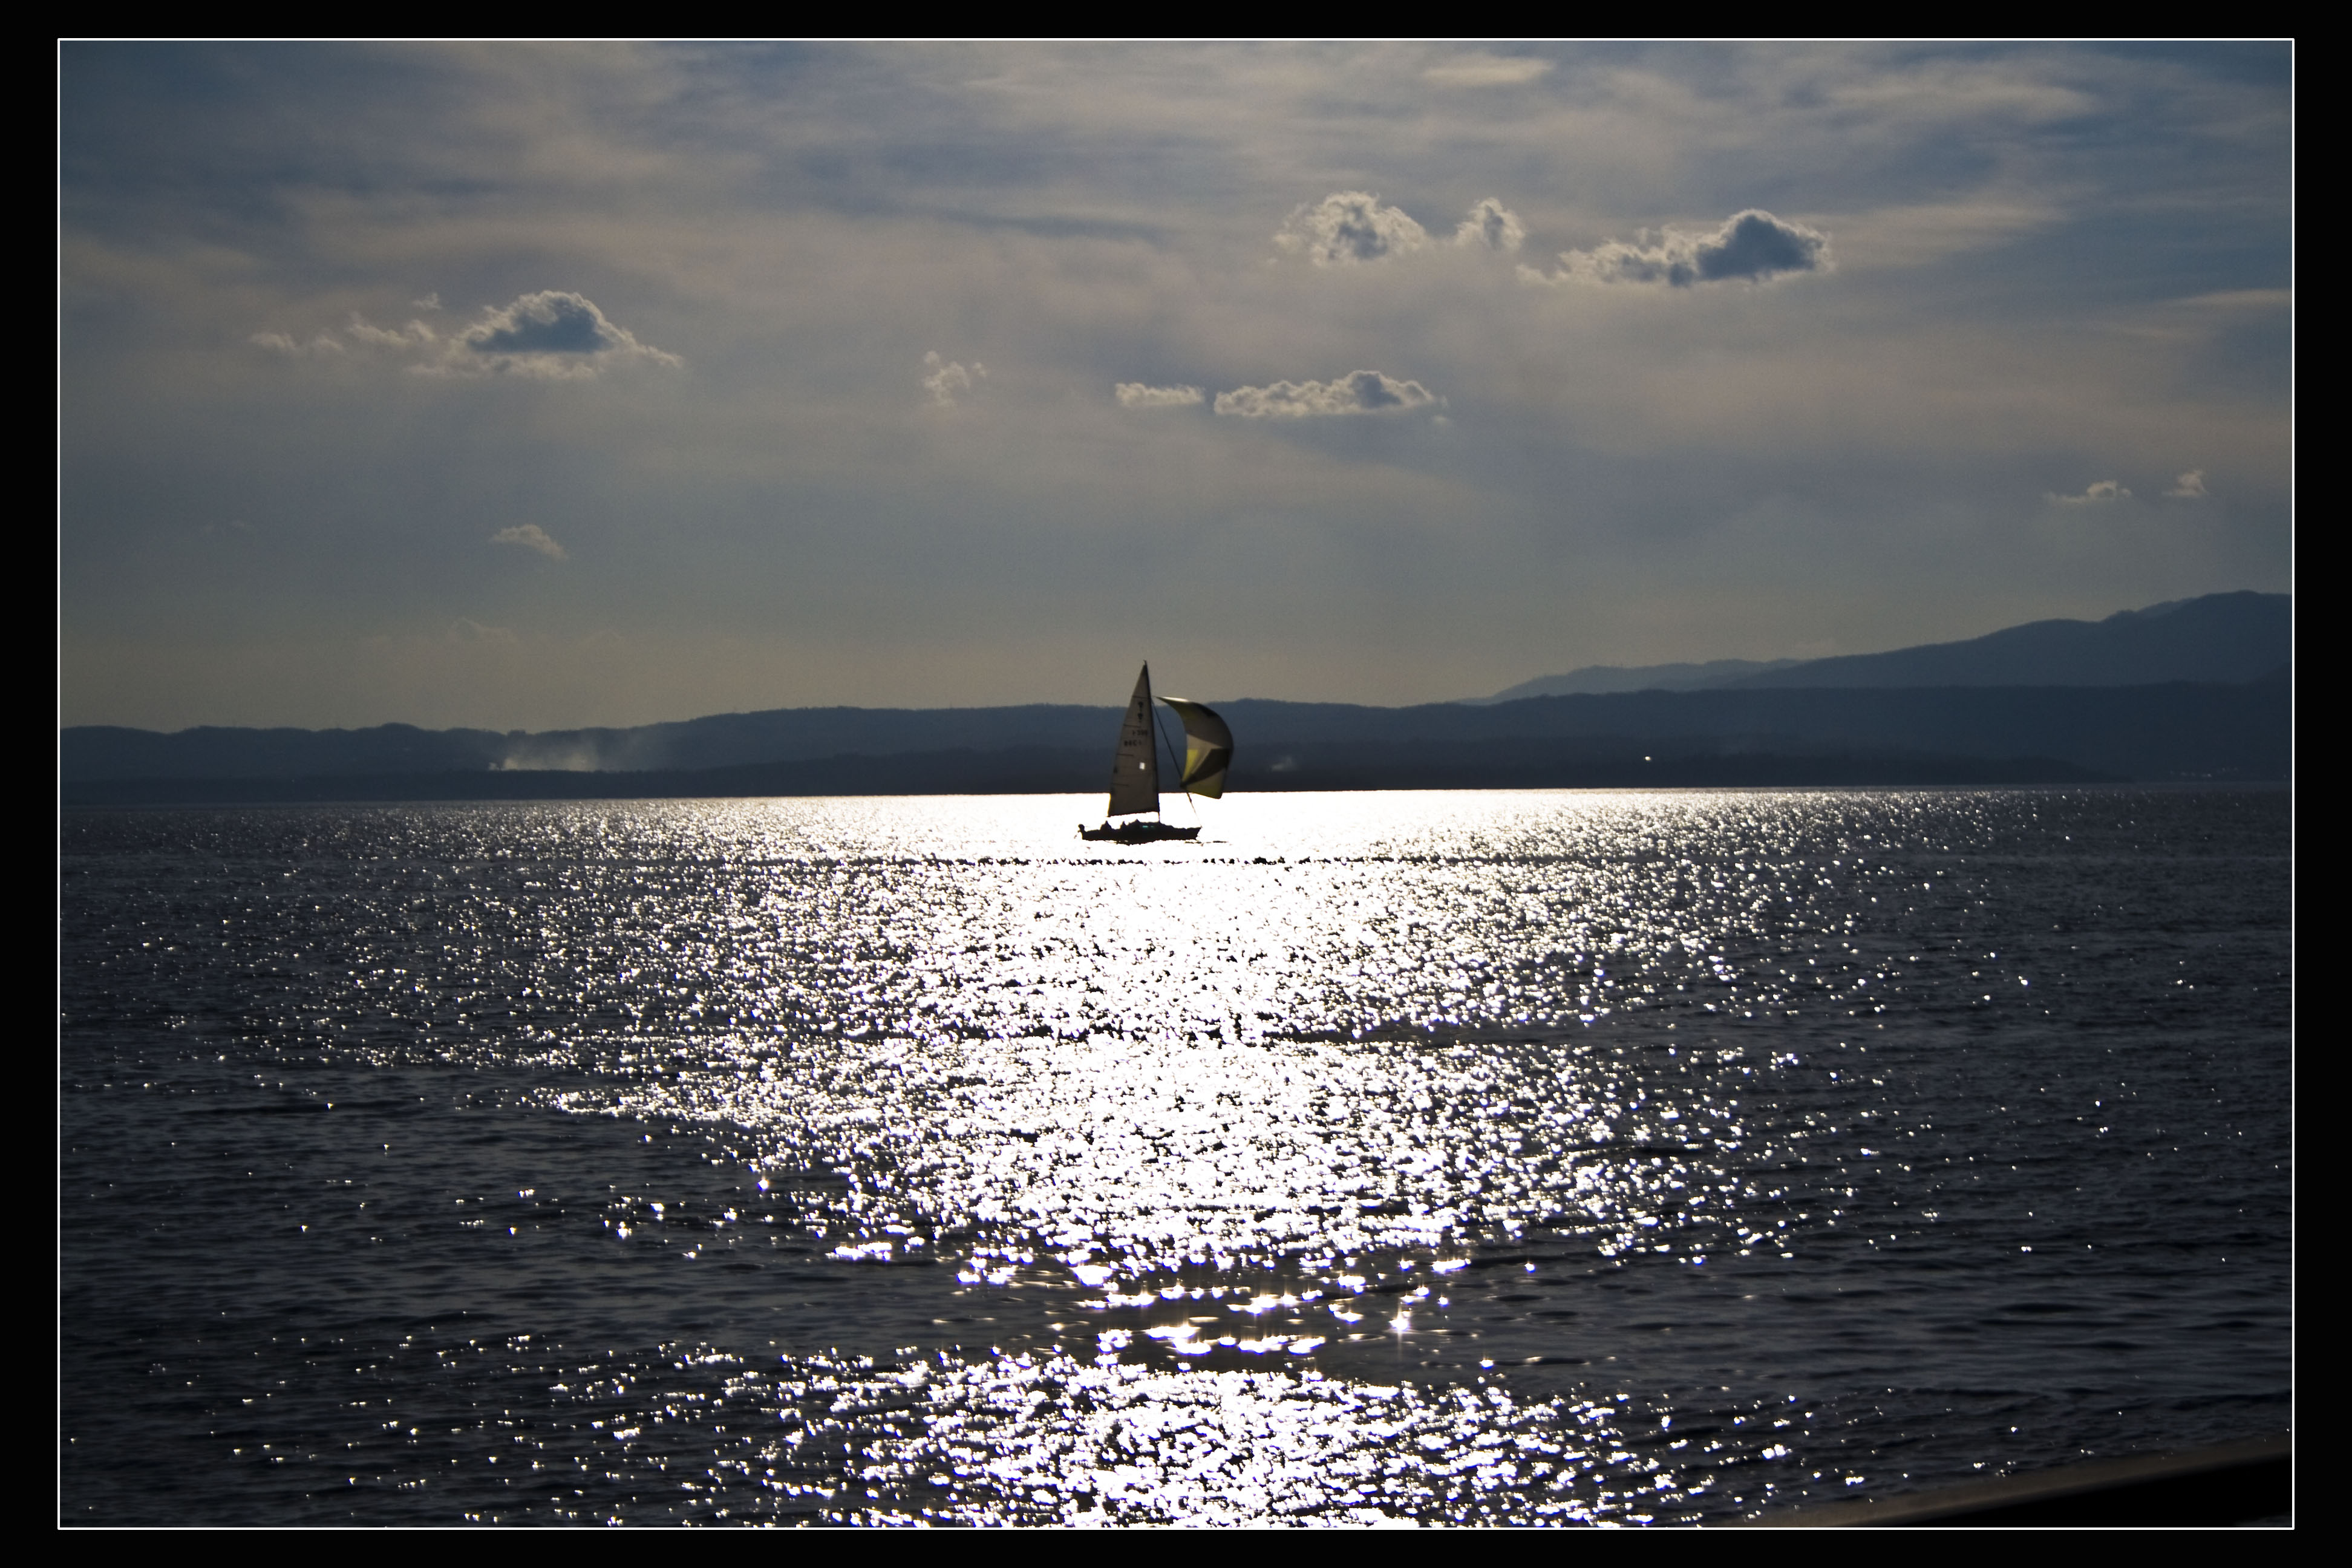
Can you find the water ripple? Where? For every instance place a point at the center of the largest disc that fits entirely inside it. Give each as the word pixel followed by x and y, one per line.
pixel 1375 1158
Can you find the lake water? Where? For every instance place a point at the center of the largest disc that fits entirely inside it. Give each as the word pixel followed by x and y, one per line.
pixel 1470 1157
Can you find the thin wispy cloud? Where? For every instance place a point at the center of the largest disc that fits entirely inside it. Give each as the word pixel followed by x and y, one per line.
pixel 281 343
pixel 2190 486
pixel 1135 394
pixel 1919 234
pixel 1952 92
pixel 1347 227
pixel 415 335
pixel 464 630
pixel 2103 492
pixel 946 380
pixel 1364 392
pixel 1486 70
pixel 1749 246
pixel 531 536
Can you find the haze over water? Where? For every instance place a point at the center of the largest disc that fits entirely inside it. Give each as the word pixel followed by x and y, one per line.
pixel 1447 1157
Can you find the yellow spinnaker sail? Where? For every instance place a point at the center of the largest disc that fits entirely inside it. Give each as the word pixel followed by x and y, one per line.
pixel 1208 747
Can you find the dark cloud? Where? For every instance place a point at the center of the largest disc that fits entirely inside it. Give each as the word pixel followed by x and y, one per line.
pixel 553 332
pixel 1752 246
pixel 550 323
pixel 1755 245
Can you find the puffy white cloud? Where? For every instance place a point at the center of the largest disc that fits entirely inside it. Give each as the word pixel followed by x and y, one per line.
pixel 1364 392
pixel 1492 226
pixel 1751 245
pixel 1135 394
pixel 2190 486
pixel 2105 492
pixel 1349 227
pixel 531 536
pixel 946 380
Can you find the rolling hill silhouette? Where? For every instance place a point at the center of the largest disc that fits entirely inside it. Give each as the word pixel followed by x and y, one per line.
pixel 2197 690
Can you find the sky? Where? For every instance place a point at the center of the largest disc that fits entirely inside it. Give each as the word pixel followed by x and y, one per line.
pixel 524 387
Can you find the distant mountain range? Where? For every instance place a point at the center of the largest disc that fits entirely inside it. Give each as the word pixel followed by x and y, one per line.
pixel 2194 690
pixel 1599 680
pixel 2218 637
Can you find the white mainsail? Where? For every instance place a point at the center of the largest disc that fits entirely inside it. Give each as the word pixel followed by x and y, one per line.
pixel 1135 767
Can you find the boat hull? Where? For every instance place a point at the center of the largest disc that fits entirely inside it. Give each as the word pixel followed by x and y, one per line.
pixel 1136 833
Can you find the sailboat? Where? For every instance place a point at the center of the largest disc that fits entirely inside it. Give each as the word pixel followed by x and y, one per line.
pixel 1135 767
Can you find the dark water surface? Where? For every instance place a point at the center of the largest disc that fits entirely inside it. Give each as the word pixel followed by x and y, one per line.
pixel 1465 1156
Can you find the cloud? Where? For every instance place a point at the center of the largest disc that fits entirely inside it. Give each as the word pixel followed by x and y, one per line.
pixel 415 335
pixel 551 335
pixel 2105 492
pixel 1957 92
pixel 944 379
pixel 1917 234
pixel 2190 486
pixel 531 536
pixel 1492 226
pixel 1486 70
pixel 279 343
pixel 1349 227
pixel 1365 392
pixel 1752 244
pixel 1840 454
pixel 1135 395
pixel 462 630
